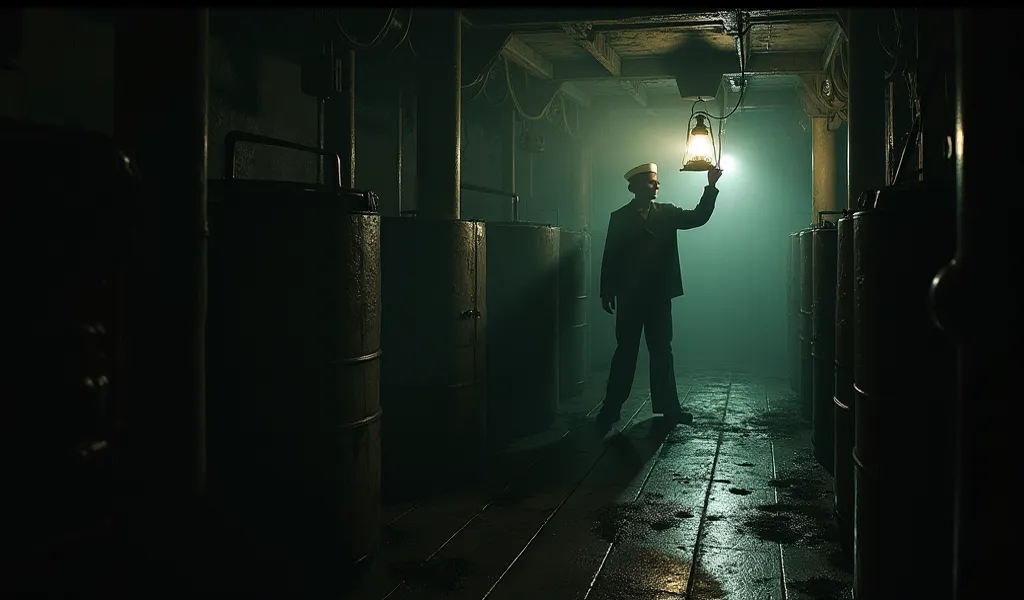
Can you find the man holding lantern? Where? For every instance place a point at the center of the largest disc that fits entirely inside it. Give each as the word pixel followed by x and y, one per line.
pixel 639 278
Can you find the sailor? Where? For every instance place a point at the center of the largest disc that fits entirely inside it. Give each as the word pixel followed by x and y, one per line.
pixel 639 278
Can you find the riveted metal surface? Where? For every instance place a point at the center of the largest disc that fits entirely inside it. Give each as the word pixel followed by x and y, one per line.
pixel 904 383
pixel 574 329
pixel 806 324
pixel 523 357
pixel 843 398
pixel 293 343
pixel 435 314
pixel 823 317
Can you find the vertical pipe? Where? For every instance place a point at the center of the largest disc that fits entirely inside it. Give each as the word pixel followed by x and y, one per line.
pixel 166 134
pixel 439 114
pixel 823 167
pixel 583 189
pixel 399 147
pixel 514 148
pixel 890 125
pixel 346 120
pixel 867 123
pixel 320 104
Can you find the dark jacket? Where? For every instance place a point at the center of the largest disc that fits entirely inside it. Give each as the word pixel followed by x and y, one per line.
pixel 641 256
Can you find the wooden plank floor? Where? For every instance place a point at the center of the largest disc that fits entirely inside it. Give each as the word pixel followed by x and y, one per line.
pixel 733 506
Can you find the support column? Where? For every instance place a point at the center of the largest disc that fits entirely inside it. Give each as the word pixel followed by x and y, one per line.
pixel 161 123
pixel 867 111
pixel 341 122
pixel 439 114
pixel 582 186
pixel 824 178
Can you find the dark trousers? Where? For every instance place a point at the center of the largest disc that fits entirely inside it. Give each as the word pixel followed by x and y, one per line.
pixel 654 318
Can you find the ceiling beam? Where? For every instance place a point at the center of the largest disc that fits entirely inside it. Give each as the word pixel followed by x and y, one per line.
pixel 596 45
pixel 574 93
pixel 635 90
pixel 524 20
pixel 526 57
pixel 752 100
pixel 772 63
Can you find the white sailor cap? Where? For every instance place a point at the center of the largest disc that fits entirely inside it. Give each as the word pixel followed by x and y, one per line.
pixel 645 168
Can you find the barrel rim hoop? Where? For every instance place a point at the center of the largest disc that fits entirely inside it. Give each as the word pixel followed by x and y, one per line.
pixel 362 422
pixel 358 359
pixel 858 390
pixel 840 403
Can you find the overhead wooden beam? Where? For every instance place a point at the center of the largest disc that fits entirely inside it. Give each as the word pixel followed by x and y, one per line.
pixel 577 95
pixel 752 100
pixel 794 63
pixel 596 44
pixel 625 18
pixel 526 57
pixel 635 90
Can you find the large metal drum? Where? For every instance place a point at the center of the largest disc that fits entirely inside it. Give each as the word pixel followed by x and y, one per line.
pixel 905 385
pixel 433 393
pixel 293 397
pixel 793 310
pixel 823 343
pixel 806 323
pixel 573 342
pixel 522 337
pixel 843 418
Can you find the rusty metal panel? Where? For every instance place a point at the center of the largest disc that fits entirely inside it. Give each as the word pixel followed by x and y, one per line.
pixel 523 295
pixel 435 317
pixel 294 341
pixel 574 326
pixel 905 388
pixel 823 346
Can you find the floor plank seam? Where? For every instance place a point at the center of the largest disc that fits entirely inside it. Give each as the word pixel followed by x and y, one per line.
pixel 695 561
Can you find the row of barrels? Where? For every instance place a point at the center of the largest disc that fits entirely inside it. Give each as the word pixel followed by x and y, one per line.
pixel 877 380
pixel 351 355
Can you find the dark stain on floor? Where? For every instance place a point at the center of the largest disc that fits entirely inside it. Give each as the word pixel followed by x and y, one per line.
pixel 739 491
pixel 628 519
